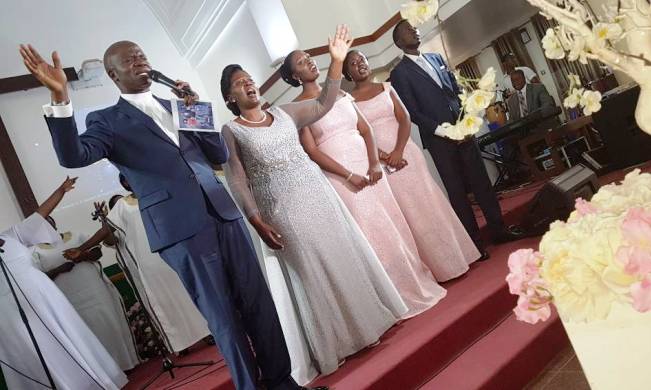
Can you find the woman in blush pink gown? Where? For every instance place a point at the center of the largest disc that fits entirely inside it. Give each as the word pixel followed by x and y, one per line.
pixel 443 243
pixel 347 155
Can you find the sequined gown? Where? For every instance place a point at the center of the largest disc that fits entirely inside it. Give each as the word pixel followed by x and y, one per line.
pixel 344 297
pixel 375 209
pixel 443 243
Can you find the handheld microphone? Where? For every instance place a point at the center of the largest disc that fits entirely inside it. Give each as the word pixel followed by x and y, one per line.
pixel 162 79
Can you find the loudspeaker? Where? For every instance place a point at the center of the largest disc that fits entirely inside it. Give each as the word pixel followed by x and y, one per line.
pixel 626 144
pixel 555 200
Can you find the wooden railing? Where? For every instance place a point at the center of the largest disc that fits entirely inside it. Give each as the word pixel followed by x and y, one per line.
pixel 316 51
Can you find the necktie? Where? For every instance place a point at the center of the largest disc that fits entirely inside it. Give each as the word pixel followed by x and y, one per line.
pixel 422 62
pixel 523 104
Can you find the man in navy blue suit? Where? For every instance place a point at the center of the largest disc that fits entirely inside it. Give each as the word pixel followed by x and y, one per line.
pixel 190 219
pixel 430 92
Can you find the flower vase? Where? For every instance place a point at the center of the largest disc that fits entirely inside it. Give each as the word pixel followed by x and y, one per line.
pixel 614 353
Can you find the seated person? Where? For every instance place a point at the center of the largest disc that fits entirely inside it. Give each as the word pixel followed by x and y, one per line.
pixel 510 63
pixel 529 98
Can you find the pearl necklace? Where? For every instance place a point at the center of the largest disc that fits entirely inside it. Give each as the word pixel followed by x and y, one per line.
pixel 264 118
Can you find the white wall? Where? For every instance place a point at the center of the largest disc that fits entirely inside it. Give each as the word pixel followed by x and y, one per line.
pixel 239 43
pixel 79 30
pixel 9 210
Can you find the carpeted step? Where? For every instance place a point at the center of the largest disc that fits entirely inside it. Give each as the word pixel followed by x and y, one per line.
pixel 505 359
pixel 420 347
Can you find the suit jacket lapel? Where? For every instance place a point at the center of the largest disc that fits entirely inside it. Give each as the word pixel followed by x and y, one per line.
pixel 415 67
pixel 530 97
pixel 135 113
pixel 443 76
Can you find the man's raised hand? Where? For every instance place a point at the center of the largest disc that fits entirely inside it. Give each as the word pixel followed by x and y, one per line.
pixel 51 76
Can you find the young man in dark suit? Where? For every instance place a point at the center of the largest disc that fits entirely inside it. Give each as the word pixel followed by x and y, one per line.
pixel 430 92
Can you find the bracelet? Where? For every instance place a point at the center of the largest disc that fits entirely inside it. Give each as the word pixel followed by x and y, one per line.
pixel 350 175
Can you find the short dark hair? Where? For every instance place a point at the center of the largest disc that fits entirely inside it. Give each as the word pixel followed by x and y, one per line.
pixel 111 50
pixel 287 72
pixel 517 71
pixel 225 83
pixel 124 183
pixel 395 30
pixel 114 199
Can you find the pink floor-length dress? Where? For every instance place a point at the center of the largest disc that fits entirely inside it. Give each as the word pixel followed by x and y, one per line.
pixel 443 243
pixel 375 210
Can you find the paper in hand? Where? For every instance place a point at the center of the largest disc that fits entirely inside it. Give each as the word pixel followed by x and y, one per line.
pixel 197 117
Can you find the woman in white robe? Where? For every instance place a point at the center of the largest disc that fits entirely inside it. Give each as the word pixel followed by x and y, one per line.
pixel 93 296
pixel 75 357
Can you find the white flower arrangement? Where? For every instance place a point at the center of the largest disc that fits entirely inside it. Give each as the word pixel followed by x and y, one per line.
pixel 473 104
pixel 419 11
pixel 600 256
pixel 589 100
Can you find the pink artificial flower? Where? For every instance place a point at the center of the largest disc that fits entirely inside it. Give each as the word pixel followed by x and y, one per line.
pixel 583 207
pixel 635 253
pixel 524 267
pixel 531 313
pixel 641 293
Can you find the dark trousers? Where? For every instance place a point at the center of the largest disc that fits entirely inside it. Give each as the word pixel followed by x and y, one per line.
pixel 220 270
pixel 461 168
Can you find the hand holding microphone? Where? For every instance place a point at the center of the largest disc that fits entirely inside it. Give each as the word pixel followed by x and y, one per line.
pixel 179 88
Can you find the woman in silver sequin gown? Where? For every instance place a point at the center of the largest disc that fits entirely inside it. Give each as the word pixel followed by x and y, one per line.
pixel 344 297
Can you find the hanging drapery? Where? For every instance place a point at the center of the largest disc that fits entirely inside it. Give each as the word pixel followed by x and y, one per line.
pixel 511 43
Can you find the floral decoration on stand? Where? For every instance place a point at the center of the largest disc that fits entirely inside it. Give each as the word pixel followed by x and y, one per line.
pixel 419 11
pixel 474 100
pixel 600 256
pixel 588 100
pixel 581 35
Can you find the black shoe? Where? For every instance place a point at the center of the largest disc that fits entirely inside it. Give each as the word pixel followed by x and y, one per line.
pixel 512 233
pixel 484 255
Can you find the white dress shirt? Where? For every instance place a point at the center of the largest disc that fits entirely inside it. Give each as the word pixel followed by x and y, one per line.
pixel 144 101
pixel 427 67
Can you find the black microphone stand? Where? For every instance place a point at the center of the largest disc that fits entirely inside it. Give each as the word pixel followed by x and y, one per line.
pixel 168 365
pixel 23 316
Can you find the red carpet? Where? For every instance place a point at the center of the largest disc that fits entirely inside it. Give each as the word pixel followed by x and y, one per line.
pixel 470 340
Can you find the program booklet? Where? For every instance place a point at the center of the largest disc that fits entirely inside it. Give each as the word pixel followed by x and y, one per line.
pixel 197 117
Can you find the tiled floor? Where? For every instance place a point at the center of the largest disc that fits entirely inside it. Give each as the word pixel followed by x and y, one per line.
pixel 562 373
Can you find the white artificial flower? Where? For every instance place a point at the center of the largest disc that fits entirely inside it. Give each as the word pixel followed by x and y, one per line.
pixel 577 50
pixel 478 101
pixel 591 102
pixel 469 125
pixel 419 12
pixel 552 45
pixel 574 98
pixel 487 81
pixel 575 80
pixel 606 31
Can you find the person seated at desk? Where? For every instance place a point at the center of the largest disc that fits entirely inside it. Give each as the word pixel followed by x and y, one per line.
pixel 529 98
pixel 510 62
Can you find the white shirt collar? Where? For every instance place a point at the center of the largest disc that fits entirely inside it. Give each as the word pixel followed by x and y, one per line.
pixel 414 57
pixel 141 97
